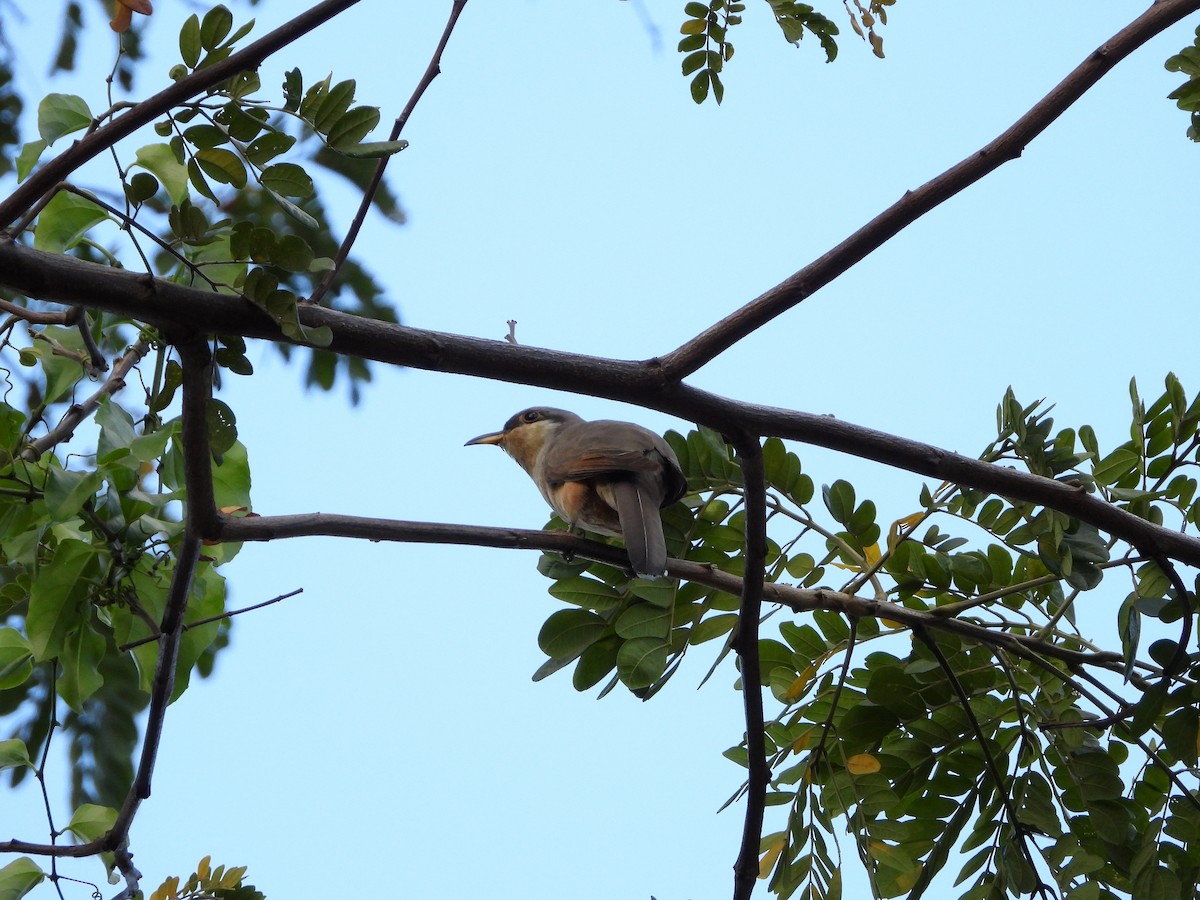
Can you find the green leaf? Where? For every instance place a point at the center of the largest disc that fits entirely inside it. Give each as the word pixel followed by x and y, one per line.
pixel 30 153
pixel 141 187
pixel 712 627
pixel 19 877
pixel 595 662
pixel 586 592
pixel 56 597
pixel 91 821
pixel 641 662
pixel 60 114
pixel 288 180
pixel 693 61
pixel 353 126
pixel 231 479
pixel 205 136
pixel 83 649
pixel 222 166
pixel 189 42
pixel 16 659
pixel 294 211
pixel 64 220
pixel 371 149
pixel 270 144
pixel 568 632
pixel 14 753
pixel 160 159
pixel 643 620
pixel 217 24
pixel 839 500
pixel 68 491
pixel 1157 883
pixel 117 430
pixel 659 591
pixel 222 426
pixel 293 253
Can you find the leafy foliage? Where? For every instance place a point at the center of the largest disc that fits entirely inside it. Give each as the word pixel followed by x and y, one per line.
pixel 994 740
pixel 227 154
pixel 219 884
pixel 706 45
pixel 1187 95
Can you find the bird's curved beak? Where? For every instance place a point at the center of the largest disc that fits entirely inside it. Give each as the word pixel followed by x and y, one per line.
pixel 496 438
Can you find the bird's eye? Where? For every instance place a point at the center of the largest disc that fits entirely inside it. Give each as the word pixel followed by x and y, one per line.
pixel 531 416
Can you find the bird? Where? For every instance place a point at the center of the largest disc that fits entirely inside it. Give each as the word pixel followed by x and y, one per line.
pixel 603 476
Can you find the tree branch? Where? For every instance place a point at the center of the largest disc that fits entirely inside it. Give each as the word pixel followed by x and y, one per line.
pixel 745 869
pixel 268 528
pixel 176 308
pixel 65 429
pixel 104 137
pixel 197 365
pixel 431 72
pixel 720 337
pixel 200 515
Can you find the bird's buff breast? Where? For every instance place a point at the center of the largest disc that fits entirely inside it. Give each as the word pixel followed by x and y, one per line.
pixel 579 504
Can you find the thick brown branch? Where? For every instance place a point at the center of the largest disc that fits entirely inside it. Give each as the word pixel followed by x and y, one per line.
pixel 724 334
pixel 269 528
pixel 197 451
pixel 200 519
pixel 745 869
pixel 96 142
pixel 175 308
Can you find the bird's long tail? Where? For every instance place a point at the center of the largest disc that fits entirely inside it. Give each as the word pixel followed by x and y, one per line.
pixel 641 527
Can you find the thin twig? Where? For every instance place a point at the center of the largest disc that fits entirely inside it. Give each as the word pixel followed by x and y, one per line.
pixel 685 360
pixel 65 429
pixel 33 317
pixel 431 72
pixel 1014 821
pixel 209 620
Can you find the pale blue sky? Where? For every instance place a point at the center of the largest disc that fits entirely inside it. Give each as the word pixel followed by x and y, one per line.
pixel 379 734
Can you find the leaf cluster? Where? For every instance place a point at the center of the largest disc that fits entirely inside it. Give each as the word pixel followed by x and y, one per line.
pixel 706 45
pixel 241 215
pixel 1187 95
pixel 1045 768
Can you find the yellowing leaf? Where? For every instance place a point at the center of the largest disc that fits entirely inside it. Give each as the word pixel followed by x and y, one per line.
pixel 901 527
pixel 862 764
pixel 872 554
pixel 796 688
pixel 767 861
pixel 800 743
pixel 203 868
pixel 123 13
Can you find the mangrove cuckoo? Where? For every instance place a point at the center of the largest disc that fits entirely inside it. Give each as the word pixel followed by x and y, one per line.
pixel 608 477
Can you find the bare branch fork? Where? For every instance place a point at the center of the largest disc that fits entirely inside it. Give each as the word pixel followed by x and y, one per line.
pixel 720 337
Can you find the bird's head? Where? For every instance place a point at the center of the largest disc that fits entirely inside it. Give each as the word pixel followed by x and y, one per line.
pixel 525 434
